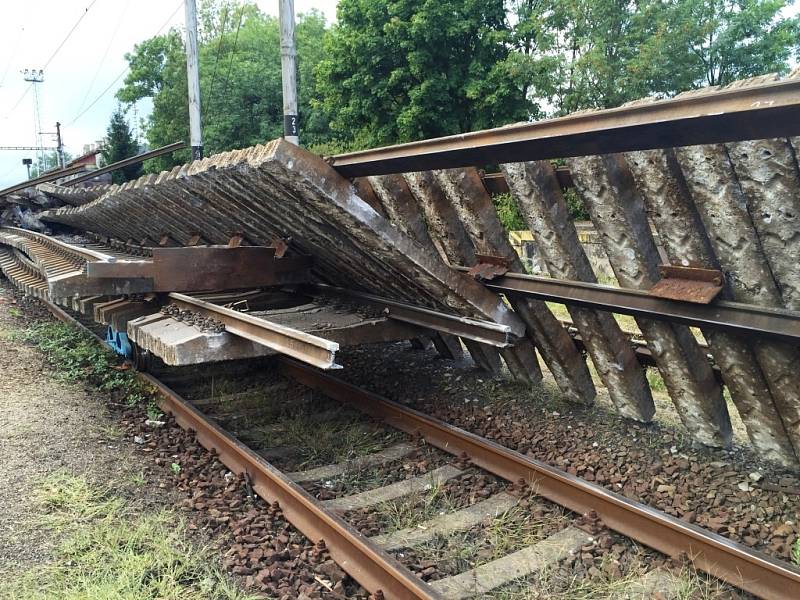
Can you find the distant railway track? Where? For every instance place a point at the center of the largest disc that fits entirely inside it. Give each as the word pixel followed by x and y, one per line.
pixel 378 572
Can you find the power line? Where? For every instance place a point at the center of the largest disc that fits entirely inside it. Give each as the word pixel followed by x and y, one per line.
pixel 216 60
pixel 230 63
pixel 123 72
pixel 52 56
pixel 69 34
pixel 105 54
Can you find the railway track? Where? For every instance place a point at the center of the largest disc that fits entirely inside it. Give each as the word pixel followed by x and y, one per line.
pixel 377 561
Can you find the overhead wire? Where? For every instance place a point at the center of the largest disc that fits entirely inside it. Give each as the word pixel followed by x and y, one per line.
pixel 105 54
pixel 230 63
pixel 69 34
pixel 219 50
pixel 122 73
pixel 52 56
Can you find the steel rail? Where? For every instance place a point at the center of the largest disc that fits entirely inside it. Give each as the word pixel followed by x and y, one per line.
pixel 747 569
pixel 292 342
pixel 485 332
pixel 84 254
pixel 367 563
pixel 42 179
pixel 727 115
pixel 127 162
pixel 743 319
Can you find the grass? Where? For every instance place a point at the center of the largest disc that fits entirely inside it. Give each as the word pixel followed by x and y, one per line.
pixel 796 552
pixel 556 583
pixel 105 550
pixel 513 530
pixel 77 356
pixel 415 508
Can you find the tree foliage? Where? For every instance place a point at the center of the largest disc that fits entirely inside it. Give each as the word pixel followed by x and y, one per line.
pixel 240 80
pixel 118 145
pixel 393 71
pixel 403 70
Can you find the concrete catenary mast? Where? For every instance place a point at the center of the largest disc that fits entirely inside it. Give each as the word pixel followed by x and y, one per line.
pixel 291 126
pixel 193 77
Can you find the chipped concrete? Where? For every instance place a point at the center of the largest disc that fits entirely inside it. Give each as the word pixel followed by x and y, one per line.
pixel 618 213
pixel 723 210
pixel 537 192
pixel 480 581
pixel 670 207
pixel 464 189
pixel 394 490
pixel 769 179
pixel 280 189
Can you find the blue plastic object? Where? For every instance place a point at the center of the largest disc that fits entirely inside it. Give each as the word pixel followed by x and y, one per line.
pixel 119 342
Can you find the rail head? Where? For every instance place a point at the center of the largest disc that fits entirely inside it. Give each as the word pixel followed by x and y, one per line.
pixel 716 116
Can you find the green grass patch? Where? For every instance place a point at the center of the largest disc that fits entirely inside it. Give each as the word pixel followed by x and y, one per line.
pixel 77 356
pixel 104 550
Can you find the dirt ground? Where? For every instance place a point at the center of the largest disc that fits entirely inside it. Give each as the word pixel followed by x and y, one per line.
pixel 47 426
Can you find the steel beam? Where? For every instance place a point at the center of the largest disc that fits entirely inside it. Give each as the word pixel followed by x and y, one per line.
pixel 739 318
pixel 126 162
pixel 42 179
pixel 764 111
pixel 485 332
pixel 199 268
pixel 292 342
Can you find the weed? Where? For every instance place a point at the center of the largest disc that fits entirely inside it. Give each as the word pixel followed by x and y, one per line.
pixel 176 468
pixel 417 507
pixel 76 356
pixel 105 550
pixel 153 411
pixel 796 552
pixel 14 311
pixel 138 479
pixel 656 381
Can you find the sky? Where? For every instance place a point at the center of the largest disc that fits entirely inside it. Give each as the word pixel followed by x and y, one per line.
pixel 81 76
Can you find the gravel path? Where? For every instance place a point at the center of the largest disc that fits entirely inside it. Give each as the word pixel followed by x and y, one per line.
pixel 47 425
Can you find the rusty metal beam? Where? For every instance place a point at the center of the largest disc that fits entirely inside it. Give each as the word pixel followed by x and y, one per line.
pixel 746 319
pixel 52 176
pixel 495 183
pixel 169 148
pixel 764 111
pixel 485 332
pixel 292 342
pixel 199 268
pixel 743 567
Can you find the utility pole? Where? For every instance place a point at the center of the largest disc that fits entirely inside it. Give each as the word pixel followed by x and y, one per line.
pixel 291 127
pixel 59 146
pixel 35 77
pixel 193 77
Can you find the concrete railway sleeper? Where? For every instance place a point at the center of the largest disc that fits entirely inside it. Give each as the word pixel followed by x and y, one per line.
pixel 369 562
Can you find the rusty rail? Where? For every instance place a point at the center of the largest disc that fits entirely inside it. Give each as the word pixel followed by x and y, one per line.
pixel 169 148
pixel 747 569
pixel 731 316
pixel 368 564
pixel 763 111
pixel 292 342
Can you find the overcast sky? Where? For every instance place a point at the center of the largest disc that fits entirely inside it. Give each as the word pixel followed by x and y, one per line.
pixel 80 80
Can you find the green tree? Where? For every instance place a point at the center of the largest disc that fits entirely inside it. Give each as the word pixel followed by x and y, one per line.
pixel 240 80
pixel 714 42
pixel 118 145
pixel 401 70
pixel 47 161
